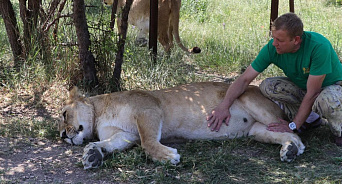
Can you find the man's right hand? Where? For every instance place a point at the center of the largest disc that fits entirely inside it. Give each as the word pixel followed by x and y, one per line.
pixel 217 117
pixel 221 113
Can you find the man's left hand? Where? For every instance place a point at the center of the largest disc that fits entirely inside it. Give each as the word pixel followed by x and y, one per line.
pixel 281 126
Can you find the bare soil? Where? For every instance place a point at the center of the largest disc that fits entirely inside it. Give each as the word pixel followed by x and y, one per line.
pixel 29 160
pixel 39 160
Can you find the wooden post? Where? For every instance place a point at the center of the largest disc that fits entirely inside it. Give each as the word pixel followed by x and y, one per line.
pixel 274 11
pixel 292 6
pixel 153 34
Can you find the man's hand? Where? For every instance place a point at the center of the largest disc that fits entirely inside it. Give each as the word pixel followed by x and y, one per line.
pixel 218 116
pixel 281 126
pixel 221 113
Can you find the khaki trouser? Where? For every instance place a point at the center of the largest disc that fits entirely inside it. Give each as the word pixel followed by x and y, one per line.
pixel 289 96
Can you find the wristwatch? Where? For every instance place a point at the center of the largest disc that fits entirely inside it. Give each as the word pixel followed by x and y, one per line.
pixel 293 126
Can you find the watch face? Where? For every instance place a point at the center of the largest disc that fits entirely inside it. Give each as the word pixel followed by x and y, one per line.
pixel 292 126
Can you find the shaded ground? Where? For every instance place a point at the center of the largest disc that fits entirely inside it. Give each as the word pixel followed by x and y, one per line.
pixel 27 159
pixel 38 160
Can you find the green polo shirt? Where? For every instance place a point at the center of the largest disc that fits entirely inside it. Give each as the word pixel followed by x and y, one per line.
pixel 316 56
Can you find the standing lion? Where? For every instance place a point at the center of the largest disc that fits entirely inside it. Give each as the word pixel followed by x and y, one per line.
pixel 168 22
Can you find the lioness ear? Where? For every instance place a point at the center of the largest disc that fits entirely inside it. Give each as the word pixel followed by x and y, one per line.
pixel 74 94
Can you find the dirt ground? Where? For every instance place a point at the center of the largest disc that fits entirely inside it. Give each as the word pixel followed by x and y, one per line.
pixel 39 160
pixel 28 160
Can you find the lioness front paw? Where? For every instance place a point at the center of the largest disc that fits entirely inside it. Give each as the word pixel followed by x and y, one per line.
pixel 289 152
pixel 92 156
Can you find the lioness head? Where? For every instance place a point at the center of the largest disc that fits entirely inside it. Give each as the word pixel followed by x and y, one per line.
pixel 77 119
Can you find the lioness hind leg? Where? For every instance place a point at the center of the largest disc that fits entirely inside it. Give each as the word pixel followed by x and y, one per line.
pixel 292 145
pixel 149 126
pixel 161 153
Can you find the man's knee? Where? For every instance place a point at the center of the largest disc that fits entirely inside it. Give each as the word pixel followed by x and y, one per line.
pixel 267 86
pixel 275 86
pixel 329 102
pixel 329 105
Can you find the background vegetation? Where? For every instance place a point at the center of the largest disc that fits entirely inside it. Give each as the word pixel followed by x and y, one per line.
pixel 230 34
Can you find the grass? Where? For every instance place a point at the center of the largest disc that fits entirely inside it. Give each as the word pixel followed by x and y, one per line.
pixel 230 34
pixel 234 161
pixel 29 128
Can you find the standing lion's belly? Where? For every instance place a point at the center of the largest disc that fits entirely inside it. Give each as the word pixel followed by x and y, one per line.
pixel 141 23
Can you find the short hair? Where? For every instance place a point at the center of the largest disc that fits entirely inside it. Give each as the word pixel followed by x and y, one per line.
pixel 289 22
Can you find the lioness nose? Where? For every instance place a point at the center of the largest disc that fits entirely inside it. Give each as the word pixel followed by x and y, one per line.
pixel 64 135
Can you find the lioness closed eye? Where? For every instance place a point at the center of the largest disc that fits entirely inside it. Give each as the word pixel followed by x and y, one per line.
pixel 121 119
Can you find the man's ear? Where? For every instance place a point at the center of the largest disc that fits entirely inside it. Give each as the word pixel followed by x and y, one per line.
pixel 298 40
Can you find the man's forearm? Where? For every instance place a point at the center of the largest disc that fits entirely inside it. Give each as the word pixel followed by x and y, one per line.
pixel 314 87
pixel 304 109
pixel 234 91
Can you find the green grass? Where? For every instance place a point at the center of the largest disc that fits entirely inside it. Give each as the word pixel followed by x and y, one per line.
pixel 17 127
pixel 234 161
pixel 230 34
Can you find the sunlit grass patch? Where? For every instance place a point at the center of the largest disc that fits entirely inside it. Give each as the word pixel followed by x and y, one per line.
pixel 22 127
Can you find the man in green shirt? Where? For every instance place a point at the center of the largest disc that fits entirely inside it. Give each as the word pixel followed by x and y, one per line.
pixel 312 83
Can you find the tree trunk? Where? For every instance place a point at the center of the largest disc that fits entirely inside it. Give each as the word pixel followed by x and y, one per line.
pixel 27 35
pixel 113 15
pixel 33 6
pixel 29 16
pixel 8 15
pixel 121 46
pixel 87 59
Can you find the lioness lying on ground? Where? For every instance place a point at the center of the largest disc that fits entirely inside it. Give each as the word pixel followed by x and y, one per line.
pixel 121 119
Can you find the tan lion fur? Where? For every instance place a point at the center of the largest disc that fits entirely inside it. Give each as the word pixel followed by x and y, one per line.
pixel 168 21
pixel 121 119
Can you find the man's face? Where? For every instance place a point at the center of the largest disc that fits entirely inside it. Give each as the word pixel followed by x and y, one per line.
pixel 284 43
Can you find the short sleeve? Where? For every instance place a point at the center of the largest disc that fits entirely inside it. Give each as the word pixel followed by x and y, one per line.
pixel 262 61
pixel 321 60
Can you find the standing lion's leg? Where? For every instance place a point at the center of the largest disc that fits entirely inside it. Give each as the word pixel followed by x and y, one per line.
pixel 165 36
pixel 149 123
pixel 292 146
pixel 111 139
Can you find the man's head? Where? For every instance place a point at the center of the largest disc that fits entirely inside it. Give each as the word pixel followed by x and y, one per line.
pixel 287 31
